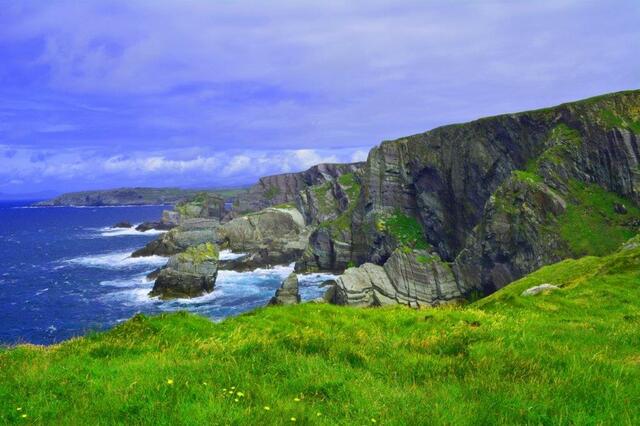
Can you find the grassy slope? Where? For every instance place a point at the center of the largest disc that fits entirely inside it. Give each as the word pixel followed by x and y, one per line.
pixel 571 356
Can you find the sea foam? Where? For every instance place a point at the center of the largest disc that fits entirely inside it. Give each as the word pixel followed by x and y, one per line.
pixel 115 260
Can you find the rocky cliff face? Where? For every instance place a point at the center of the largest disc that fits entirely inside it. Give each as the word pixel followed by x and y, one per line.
pixel 284 188
pixel 460 183
pixel 122 196
pixel 203 205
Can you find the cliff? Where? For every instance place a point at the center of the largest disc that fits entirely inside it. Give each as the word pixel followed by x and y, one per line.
pixel 131 196
pixel 284 188
pixel 499 197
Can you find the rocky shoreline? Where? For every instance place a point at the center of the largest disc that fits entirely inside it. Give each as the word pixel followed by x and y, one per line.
pixel 435 217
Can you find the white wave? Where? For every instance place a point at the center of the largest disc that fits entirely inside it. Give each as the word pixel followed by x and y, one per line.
pixel 134 281
pixel 116 260
pixel 119 232
pixel 229 255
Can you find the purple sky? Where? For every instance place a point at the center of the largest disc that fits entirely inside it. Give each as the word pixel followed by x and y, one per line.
pixel 214 93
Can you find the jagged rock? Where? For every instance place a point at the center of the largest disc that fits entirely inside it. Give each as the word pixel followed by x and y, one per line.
pixel 620 208
pixel 202 206
pixel 229 216
pixel 513 237
pixel 189 274
pixel 542 288
pixel 287 294
pixel 123 224
pixel 355 287
pixel 160 226
pixel 325 251
pixel 284 188
pixel 271 236
pixel 414 278
pixel 170 217
pixel 191 232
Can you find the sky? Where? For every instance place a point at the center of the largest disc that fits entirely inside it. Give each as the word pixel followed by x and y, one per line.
pixel 216 93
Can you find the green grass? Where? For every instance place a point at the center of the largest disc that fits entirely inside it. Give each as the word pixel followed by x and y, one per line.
pixel 568 357
pixel 406 230
pixel 591 226
pixel 350 185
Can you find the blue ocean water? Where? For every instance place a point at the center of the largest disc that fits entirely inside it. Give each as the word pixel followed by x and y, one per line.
pixel 64 271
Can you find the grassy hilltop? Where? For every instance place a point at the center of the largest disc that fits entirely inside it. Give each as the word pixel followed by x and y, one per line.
pixel 571 356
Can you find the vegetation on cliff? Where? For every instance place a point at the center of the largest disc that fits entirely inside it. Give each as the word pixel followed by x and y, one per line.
pixel 569 356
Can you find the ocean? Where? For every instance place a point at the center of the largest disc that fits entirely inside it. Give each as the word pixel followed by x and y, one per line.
pixel 64 272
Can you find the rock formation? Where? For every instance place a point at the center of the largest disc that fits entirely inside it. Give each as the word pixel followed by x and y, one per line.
pixel 284 188
pixel 190 233
pixel 270 237
pixel 189 274
pixel 287 294
pixel 409 277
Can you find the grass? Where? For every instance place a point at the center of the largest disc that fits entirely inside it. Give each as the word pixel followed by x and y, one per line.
pixel 591 226
pixel 406 230
pixel 568 357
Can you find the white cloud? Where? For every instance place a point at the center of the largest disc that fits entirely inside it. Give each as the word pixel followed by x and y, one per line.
pixel 177 167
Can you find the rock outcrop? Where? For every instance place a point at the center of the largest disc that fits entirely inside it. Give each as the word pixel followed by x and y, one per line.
pixel 409 277
pixel 189 274
pixel 288 293
pixel 123 224
pixel 203 206
pixel 158 226
pixel 284 188
pixel 329 206
pixel 270 237
pixel 191 232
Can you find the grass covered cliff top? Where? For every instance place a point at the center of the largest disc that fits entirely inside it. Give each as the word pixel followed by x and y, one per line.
pixel 569 356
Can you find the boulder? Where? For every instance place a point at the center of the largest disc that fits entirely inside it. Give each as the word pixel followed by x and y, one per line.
pixel 189 274
pixel 123 224
pixel 288 293
pixel 542 288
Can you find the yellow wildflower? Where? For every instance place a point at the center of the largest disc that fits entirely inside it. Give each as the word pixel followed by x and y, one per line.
pixel 293 419
pixel 240 394
pixel 296 399
pixel 373 421
pixel 236 400
pixel 318 414
pixel 19 409
pixel 169 381
pixel 233 387
pixel 267 408
pixel 24 416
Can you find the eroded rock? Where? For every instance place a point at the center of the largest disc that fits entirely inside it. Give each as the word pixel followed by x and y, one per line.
pixel 288 293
